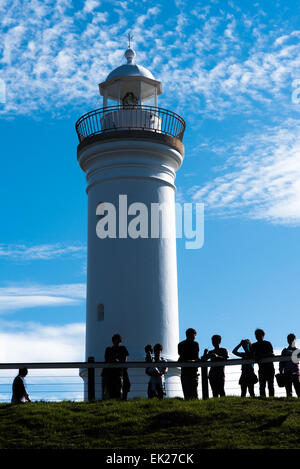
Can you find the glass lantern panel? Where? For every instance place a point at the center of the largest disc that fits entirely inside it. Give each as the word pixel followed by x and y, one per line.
pixel 148 92
pixel 111 102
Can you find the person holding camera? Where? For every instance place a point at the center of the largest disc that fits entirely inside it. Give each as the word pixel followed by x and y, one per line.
pixel 248 378
pixel 156 385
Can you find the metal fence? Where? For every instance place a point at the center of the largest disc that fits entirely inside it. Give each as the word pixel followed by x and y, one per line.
pixel 116 118
pixel 61 381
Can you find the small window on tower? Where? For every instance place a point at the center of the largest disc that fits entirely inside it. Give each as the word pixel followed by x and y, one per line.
pixel 100 312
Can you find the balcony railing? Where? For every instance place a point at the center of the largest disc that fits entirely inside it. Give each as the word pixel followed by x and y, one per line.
pixel 116 118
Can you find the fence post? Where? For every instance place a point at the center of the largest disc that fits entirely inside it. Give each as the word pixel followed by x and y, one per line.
pixel 204 379
pixel 91 381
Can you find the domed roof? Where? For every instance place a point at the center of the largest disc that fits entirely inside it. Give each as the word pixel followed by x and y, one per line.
pixel 130 69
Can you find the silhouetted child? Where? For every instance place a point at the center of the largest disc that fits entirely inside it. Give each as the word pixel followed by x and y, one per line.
pixel 216 373
pixel 156 386
pixel 248 378
pixel 266 371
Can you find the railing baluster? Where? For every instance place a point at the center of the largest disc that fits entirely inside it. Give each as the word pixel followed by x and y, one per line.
pixel 177 126
pixel 88 126
pixel 85 129
pixel 94 126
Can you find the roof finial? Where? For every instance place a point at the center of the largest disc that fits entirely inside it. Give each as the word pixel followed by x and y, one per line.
pixel 129 54
pixel 130 37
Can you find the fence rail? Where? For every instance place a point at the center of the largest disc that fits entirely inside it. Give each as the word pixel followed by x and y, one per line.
pixel 115 118
pixel 171 364
pixel 92 378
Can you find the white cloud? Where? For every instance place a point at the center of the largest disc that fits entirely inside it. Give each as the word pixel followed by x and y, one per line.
pixel 42 251
pixel 31 296
pixel 261 179
pixel 90 5
pixel 30 342
pixel 33 342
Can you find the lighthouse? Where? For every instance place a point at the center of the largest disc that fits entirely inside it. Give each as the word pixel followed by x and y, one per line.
pixel 130 150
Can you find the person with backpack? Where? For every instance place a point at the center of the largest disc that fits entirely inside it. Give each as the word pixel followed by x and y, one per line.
pixel 290 369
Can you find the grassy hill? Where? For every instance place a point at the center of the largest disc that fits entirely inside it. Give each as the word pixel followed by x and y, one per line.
pixel 229 422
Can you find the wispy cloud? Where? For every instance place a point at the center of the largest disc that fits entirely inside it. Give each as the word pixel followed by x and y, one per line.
pixel 216 61
pixel 54 55
pixel 52 49
pixel 40 252
pixel 30 296
pixel 261 179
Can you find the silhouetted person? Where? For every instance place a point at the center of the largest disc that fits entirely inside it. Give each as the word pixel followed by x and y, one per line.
pixel 266 371
pixel 148 359
pixel 20 394
pixel 248 378
pixel 156 386
pixel 188 351
pixel 149 351
pixel 290 369
pixel 116 380
pixel 216 374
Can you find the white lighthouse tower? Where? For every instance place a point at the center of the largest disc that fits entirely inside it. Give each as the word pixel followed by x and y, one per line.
pixel 130 150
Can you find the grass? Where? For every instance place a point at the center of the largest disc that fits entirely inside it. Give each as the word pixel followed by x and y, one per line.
pixel 230 423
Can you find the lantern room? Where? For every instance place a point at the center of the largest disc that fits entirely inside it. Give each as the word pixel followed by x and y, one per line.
pixel 130 103
pixel 130 85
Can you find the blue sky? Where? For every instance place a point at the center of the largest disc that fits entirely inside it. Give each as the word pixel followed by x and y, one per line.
pixel 230 69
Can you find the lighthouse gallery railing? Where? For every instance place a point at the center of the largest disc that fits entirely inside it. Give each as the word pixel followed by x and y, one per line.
pixel 116 118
